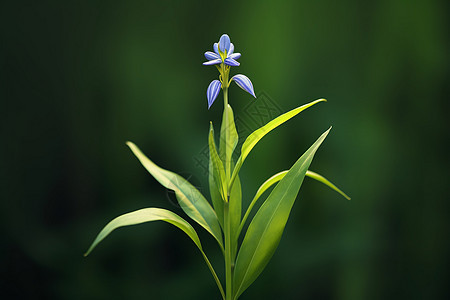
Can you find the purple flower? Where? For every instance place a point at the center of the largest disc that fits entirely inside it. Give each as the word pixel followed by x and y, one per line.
pixel 213 91
pixel 244 83
pixel 223 53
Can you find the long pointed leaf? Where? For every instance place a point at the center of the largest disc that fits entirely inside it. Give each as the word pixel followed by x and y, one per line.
pixel 154 214
pixel 258 134
pixel 267 184
pixel 325 181
pixel 277 177
pixel 190 199
pixel 228 139
pixel 216 197
pixel 265 231
pixel 217 165
pixel 235 215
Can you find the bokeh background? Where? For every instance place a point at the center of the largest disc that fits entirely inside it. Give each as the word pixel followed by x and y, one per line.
pixel 79 78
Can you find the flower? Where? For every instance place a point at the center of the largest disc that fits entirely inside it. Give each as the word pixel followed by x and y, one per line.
pixel 213 91
pixel 244 83
pixel 223 53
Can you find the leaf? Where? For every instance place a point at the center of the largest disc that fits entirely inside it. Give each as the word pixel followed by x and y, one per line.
pixel 325 181
pixel 267 184
pixel 277 177
pixel 216 197
pixel 146 215
pixel 227 146
pixel 190 199
pixel 264 232
pixel 235 215
pixel 258 134
pixel 154 214
pixel 226 150
pixel 218 170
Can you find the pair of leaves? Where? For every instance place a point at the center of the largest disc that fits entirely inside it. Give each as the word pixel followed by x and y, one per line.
pixel 189 198
pixel 277 177
pixel 191 201
pixel 264 232
pixel 220 165
pixel 258 134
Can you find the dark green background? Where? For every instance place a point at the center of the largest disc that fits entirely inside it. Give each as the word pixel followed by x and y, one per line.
pixel 79 79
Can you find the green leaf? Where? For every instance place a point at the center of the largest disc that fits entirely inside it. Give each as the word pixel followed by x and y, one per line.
pixel 267 184
pixel 216 197
pixel 264 232
pixel 235 214
pixel 258 134
pixel 217 166
pixel 277 177
pixel 325 181
pixel 227 146
pixel 190 199
pixel 146 215
pixel 155 214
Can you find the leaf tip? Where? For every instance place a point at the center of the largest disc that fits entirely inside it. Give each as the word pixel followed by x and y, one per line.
pixel 87 252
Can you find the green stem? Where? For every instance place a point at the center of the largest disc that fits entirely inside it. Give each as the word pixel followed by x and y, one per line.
pixel 226 208
pixel 228 259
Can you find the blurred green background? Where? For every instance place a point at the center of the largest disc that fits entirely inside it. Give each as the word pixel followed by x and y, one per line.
pixel 79 78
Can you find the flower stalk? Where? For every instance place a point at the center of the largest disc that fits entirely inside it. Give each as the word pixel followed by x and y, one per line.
pixel 228 257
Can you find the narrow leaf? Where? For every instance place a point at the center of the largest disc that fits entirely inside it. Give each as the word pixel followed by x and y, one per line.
pixel 325 181
pixel 216 197
pixel 267 184
pixel 217 166
pixel 154 214
pixel 265 231
pixel 146 215
pixel 258 134
pixel 228 139
pixel 190 199
pixel 277 177
pixel 235 214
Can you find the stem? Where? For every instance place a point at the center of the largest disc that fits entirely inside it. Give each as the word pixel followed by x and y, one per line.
pixel 228 265
pixel 226 207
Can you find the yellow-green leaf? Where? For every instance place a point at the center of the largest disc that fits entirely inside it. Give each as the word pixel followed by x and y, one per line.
pixel 265 230
pixel 190 199
pixel 228 139
pixel 218 170
pixel 258 134
pixel 155 214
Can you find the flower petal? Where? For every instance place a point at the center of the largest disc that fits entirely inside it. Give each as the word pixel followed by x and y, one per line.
pixel 244 83
pixel 231 62
pixel 216 48
pixel 211 55
pixel 224 43
pixel 231 49
pixel 212 62
pixel 213 91
pixel 234 55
